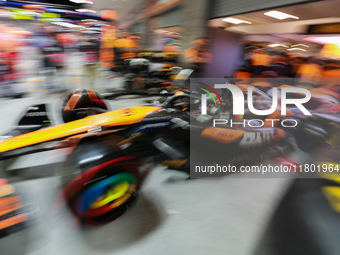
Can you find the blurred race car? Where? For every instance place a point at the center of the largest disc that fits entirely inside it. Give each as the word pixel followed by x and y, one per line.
pixel 324 122
pixel 109 153
pixel 306 218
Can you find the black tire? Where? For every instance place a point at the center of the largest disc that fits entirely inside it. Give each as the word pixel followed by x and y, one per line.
pixel 306 221
pixel 102 190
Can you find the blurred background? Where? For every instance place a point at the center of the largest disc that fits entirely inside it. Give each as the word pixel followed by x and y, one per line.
pixel 69 44
pixel 50 47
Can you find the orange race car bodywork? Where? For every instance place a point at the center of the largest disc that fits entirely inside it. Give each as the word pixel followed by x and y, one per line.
pixel 47 136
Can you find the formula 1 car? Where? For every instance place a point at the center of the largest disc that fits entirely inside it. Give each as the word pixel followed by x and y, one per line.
pixel 109 154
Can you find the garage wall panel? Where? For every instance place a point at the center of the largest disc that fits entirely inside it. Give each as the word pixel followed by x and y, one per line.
pixel 172 18
pixel 221 8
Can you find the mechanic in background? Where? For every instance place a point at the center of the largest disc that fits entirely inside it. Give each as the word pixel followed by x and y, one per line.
pixel 136 41
pixel 89 47
pixel 310 72
pixel 331 73
pixel 198 56
pixel 124 48
pixel 260 62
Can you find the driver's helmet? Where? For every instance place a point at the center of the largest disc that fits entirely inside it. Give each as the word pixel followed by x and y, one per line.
pixel 82 103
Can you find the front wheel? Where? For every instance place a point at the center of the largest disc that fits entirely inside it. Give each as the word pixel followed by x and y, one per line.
pixel 101 188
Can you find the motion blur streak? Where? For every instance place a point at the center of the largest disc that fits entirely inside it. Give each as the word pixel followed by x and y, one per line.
pixel 107 106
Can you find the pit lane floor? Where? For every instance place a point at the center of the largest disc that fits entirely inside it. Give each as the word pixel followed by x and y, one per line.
pixel 174 216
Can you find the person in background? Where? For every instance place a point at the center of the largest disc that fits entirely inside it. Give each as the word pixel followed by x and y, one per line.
pixel 260 62
pixel 243 72
pixel 248 51
pixel 331 73
pixel 310 72
pixel 136 41
pixel 51 61
pixel 173 46
pixel 90 50
pixel 280 65
pixel 198 56
pixel 295 63
pixel 124 48
pixel 67 41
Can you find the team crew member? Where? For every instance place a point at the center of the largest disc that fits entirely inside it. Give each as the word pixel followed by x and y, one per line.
pixel 136 41
pixel 260 61
pixel 198 56
pixel 90 49
pixel 124 48
pixel 309 73
pixel 331 73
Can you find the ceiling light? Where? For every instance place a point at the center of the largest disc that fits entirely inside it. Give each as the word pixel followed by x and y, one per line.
pixel 278 45
pixel 280 15
pixel 300 44
pixel 86 10
pixel 296 49
pixel 324 40
pixel 235 21
pixel 82 1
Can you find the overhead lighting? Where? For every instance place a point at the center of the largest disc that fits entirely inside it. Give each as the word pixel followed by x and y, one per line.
pixel 324 40
pixel 280 15
pixel 235 21
pixel 278 45
pixel 86 10
pixel 82 1
pixel 291 49
pixel 300 44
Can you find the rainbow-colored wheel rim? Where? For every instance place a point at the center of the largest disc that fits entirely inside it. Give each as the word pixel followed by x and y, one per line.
pixel 106 195
pixel 106 191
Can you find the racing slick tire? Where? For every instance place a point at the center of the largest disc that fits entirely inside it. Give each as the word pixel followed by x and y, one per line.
pixel 306 220
pixel 100 182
